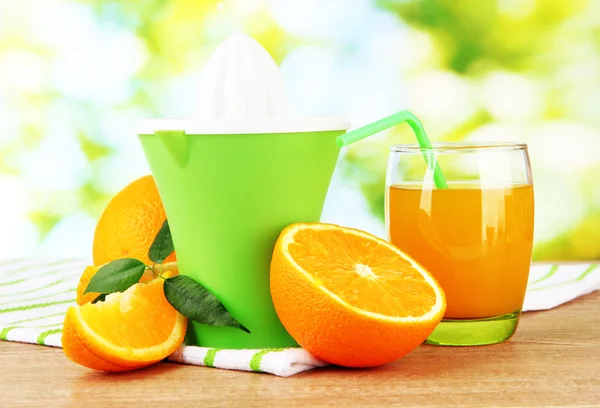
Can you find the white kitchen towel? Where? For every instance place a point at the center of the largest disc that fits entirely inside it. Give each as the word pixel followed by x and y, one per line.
pixel 552 285
pixel 36 293
pixel 282 362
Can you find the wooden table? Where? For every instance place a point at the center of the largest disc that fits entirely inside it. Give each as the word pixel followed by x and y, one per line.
pixel 553 360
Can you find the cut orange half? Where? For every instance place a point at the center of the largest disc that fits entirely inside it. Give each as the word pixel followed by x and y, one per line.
pixel 350 298
pixel 128 330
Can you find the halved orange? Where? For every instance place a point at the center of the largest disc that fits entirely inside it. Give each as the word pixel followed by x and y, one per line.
pixel 128 330
pixel 89 272
pixel 350 298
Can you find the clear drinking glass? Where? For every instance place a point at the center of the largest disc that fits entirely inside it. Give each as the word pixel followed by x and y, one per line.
pixel 475 236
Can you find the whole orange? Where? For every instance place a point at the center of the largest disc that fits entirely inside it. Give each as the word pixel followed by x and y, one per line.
pixel 129 223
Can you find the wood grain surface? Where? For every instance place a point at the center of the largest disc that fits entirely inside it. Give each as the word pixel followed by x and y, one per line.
pixel 553 360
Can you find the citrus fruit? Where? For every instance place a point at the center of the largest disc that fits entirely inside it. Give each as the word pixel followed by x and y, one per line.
pixel 128 330
pixel 129 223
pixel 83 298
pixel 350 298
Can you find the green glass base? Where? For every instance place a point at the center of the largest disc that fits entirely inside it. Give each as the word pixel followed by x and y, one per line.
pixel 474 332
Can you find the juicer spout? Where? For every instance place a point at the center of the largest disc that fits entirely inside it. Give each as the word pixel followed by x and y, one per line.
pixel 176 143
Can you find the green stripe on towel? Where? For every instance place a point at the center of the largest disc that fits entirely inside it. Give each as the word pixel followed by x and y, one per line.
pixel 41 297
pixel 36 306
pixel 38 266
pixel 42 337
pixel 13 282
pixel 587 272
pixel 74 275
pixel 4 333
pixel 37 318
pixel 577 279
pixel 257 358
pixel 551 272
pixel 25 292
pixel 209 358
pixel 12 261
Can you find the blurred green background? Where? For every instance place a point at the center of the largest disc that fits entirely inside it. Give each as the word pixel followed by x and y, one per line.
pixel 76 76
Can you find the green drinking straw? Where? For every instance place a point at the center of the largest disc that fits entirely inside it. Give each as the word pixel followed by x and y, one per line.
pixel 393 120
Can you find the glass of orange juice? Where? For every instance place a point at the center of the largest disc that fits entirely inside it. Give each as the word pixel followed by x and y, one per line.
pixel 475 236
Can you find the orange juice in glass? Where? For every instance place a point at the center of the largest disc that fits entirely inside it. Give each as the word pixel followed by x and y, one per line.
pixel 475 236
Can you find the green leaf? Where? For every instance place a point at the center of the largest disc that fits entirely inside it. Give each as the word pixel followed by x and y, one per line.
pixel 162 246
pixel 193 301
pixel 100 298
pixel 116 276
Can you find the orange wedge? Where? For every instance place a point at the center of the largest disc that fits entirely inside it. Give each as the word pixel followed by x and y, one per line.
pixel 350 298
pixel 128 330
pixel 89 272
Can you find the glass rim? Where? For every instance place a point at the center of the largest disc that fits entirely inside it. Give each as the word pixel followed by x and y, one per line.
pixel 445 147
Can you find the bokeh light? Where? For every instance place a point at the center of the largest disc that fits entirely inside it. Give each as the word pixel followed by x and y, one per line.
pixel 77 75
